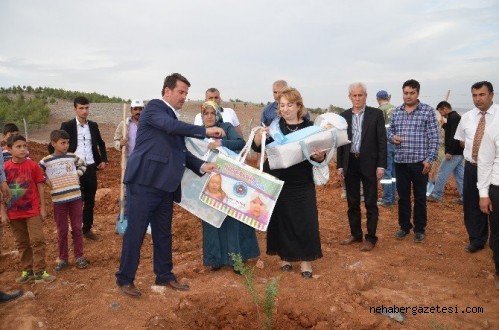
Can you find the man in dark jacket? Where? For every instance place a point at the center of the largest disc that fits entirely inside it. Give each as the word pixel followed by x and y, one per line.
pixel 453 160
pixel 153 176
pixel 362 160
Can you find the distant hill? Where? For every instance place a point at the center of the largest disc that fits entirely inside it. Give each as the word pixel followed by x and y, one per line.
pixel 25 103
pixel 51 94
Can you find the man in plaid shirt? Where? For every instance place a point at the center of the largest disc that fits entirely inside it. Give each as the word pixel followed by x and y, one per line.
pixel 414 131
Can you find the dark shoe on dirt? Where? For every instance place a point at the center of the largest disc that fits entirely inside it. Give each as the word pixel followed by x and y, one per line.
pixel 419 237
pixel 174 285
pixel 400 234
pixel 367 246
pixel 351 240
pixel 130 290
pixel 6 296
pixel 470 248
pixel 61 265
pixel 92 236
pixel 306 274
pixel 81 263
pixel 26 277
pixel 44 277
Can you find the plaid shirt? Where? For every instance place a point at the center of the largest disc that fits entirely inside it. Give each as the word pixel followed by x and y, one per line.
pixel 419 133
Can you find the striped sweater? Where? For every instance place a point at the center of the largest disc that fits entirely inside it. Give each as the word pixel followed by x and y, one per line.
pixel 64 172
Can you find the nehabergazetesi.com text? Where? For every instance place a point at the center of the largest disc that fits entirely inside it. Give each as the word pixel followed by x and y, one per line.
pixel 414 310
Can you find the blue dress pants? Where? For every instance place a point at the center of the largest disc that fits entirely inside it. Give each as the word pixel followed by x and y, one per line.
pixel 147 205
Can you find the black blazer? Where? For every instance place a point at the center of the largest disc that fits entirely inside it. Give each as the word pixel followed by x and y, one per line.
pixel 372 142
pixel 452 146
pixel 98 145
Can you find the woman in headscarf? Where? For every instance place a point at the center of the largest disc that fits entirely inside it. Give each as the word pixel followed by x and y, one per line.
pixel 233 236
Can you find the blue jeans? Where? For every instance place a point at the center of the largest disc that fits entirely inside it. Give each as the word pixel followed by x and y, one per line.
pixel 389 182
pixel 456 167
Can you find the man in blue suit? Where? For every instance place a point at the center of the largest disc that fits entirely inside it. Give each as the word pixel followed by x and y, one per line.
pixel 154 171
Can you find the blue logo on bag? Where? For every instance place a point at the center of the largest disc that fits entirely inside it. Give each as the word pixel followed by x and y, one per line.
pixel 240 189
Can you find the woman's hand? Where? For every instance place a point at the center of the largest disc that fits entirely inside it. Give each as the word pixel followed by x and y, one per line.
pixel 258 135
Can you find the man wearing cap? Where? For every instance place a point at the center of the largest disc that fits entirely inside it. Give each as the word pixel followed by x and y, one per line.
pixel 388 182
pixel 228 114
pixel 131 128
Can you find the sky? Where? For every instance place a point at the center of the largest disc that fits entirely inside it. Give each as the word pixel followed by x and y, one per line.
pixel 126 48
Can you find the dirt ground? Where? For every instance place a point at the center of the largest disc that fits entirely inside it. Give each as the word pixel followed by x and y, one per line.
pixel 347 283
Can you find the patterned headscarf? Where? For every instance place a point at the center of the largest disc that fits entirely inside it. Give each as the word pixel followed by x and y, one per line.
pixel 216 107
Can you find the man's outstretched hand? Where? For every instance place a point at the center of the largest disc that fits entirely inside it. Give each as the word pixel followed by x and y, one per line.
pixel 215 132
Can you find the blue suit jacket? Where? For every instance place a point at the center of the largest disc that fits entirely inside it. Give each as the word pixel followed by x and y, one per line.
pixel 160 156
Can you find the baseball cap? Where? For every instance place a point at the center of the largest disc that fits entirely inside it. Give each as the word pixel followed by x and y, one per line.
pixel 382 94
pixel 137 104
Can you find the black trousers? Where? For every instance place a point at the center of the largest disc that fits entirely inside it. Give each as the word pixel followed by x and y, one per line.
pixel 352 182
pixel 410 175
pixel 476 221
pixel 494 225
pixel 88 185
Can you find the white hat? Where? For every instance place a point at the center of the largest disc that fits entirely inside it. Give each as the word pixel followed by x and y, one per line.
pixel 137 104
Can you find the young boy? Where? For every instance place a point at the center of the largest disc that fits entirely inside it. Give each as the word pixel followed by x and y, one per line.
pixel 8 130
pixel 25 211
pixel 63 170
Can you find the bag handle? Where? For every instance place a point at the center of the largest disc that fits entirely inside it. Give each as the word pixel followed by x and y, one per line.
pixel 241 158
pixel 329 156
pixel 208 156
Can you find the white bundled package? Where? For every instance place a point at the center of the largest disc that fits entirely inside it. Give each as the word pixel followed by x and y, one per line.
pixel 329 119
pixel 329 130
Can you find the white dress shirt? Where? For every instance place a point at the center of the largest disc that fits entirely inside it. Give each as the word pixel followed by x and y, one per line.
pixel 467 127
pixel 84 143
pixel 177 114
pixel 488 159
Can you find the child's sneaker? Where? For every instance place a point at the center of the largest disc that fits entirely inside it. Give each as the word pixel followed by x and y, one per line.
pixel 26 276
pixel 81 262
pixel 61 265
pixel 44 277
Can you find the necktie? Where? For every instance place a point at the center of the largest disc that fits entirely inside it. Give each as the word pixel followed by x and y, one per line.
pixel 478 137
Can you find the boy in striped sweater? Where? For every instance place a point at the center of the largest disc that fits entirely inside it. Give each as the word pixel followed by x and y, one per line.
pixel 63 170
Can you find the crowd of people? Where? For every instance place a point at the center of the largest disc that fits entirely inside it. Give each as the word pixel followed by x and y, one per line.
pixel 393 145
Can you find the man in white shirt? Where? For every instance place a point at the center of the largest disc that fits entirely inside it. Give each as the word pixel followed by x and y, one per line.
pixel 488 187
pixel 485 110
pixel 228 114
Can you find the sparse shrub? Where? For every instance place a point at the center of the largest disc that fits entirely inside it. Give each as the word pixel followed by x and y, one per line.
pixel 267 302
